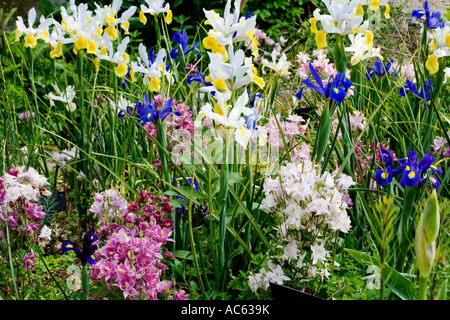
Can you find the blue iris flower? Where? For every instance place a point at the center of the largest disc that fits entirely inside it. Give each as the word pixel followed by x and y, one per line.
pixel 182 39
pixel 252 101
pixel 132 111
pixel 336 89
pixel 88 250
pixel 385 176
pixel 251 119
pixel 432 17
pixel 414 171
pixel 379 69
pixel 422 94
pixel 149 112
pixel 198 77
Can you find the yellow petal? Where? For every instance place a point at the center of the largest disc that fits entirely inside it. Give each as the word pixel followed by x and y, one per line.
pixel 168 17
pixel 432 64
pixel 121 70
pixel 259 81
pixel 91 47
pixel 125 26
pixel 110 20
pixel 99 32
pixel 388 9
pixel 142 17
pixel 57 51
pixel 80 43
pixel 223 52
pixel 359 10
pixel 210 43
pixel 374 5
pixel 153 85
pixel 30 41
pixel 447 40
pixel 126 58
pixel 66 27
pixel 313 26
pixel 220 84
pixel 369 37
pixel 321 40
pixel 218 109
pixel 133 79
pixel 18 34
pixel 112 33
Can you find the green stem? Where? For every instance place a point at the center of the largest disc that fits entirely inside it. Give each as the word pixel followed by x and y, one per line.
pixel 224 175
pixel 422 288
pixel 85 282
pixel 11 262
pixel 192 240
pixel 339 54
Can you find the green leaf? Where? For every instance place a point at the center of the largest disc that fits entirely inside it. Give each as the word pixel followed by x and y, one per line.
pixel 46 7
pixel 399 284
pixel 176 203
pixel 236 177
pixel 183 254
pixel 442 293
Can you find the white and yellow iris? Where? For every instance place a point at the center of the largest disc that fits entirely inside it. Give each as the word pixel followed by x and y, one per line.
pixel 362 47
pixel 119 57
pixel 281 67
pixel 154 7
pixel 152 71
pixel 32 34
pixel 439 47
pixel 228 117
pixel 67 97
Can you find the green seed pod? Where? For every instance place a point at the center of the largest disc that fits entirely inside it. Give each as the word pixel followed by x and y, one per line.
pixel 431 217
pixel 425 251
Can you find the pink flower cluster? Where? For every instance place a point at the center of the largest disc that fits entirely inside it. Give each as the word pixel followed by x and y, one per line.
pixel 405 70
pixel 20 190
pixel 25 115
pixel 440 144
pixel 132 256
pixel 290 129
pixel 320 63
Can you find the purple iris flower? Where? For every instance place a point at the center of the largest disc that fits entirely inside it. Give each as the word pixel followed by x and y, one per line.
pixel 198 77
pixel 432 17
pixel 150 113
pixel 182 39
pixel 385 176
pixel 414 171
pixel 379 69
pixel 422 94
pixel 336 89
pixel 88 250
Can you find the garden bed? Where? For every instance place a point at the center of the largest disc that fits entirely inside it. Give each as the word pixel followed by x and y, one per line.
pixel 148 156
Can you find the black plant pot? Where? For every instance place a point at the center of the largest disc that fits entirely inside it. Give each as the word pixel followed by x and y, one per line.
pixel 60 198
pixel 280 293
pixel 61 201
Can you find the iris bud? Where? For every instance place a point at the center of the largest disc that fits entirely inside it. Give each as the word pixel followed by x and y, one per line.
pixel 431 217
